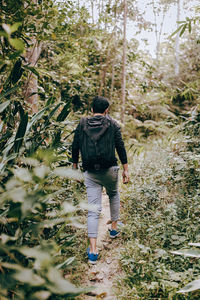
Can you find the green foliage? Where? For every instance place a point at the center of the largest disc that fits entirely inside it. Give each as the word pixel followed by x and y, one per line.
pixel 34 238
pixel 161 212
pixel 39 205
pixel 187 24
pixel 39 211
pixel 194 285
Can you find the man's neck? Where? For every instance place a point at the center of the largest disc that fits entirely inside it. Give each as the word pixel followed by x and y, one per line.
pixel 99 114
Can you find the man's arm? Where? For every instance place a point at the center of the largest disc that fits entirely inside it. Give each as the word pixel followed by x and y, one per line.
pixel 76 147
pixel 121 151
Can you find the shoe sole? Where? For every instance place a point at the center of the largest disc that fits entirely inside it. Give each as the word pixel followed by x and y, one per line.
pixel 114 236
pixel 92 262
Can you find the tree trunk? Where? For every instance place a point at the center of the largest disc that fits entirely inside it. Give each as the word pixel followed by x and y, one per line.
pixel 124 65
pixel 92 8
pixel 158 32
pixel 31 89
pixel 114 57
pixel 176 67
pixel 112 80
pixel 32 56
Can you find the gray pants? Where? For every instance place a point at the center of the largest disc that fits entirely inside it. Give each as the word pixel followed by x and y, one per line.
pixel 94 183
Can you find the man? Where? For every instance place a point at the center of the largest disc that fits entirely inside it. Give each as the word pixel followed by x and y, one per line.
pixel 96 138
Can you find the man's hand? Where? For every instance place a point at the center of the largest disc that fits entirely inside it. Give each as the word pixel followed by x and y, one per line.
pixel 125 174
pixel 75 166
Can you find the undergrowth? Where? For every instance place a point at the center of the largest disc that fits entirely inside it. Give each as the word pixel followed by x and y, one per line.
pixel 161 211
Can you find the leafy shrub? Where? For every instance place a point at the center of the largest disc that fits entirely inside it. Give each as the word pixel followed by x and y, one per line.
pixel 34 218
pixel 161 211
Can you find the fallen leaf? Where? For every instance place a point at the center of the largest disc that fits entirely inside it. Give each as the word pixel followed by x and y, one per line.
pixel 101 296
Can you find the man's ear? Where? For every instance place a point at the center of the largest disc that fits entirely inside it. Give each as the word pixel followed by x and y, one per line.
pixel 92 110
pixel 106 111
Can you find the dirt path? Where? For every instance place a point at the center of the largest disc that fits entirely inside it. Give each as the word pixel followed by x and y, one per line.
pixel 103 274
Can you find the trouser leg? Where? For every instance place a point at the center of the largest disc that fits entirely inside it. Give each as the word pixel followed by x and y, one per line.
pixel 94 194
pixel 111 185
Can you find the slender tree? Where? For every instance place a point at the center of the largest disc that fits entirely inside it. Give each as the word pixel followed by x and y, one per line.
pixel 124 64
pixel 92 10
pixel 114 57
pixel 176 67
pixel 32 56
pixel 159 27
pixel 31 88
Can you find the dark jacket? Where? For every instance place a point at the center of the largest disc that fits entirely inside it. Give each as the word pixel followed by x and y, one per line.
pixel 97 124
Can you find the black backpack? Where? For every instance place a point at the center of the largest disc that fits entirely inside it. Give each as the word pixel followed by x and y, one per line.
pixel 97 143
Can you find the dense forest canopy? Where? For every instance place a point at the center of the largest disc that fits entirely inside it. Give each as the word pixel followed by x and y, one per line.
pixel 55 56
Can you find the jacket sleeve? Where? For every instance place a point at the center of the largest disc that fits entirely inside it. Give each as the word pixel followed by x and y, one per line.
pixel 76 145
pixel 119 145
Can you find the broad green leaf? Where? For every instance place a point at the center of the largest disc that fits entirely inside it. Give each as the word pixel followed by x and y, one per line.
pixel 8 145
pixel 30 161
pixel 42 258
pixel 36 117
pixel 192 286
pixel 187 252
pixel 194 244
pixel 190 26
pixel 5 238
pixel 68 207
pixel 12 183
pixel 7 28
pixel 4 105
pixel 64 113
pixel 69 173
pixel 175 237
pixel 176 31
pixel 9 91
pixel 3 68
pixel 23 174
pixel 18 195
pixel 66 262
pixel 53 222
pixel 74 221
pixel 21 132
pixel 15 27
pixel 28 276
pixel 1 126
pixel 42 295
pixel 17 71
pixel 35 252
pixel 3 33
pixel 17 44
pixel 54 111
pixel 61 286
pixel 183 29
pixel 11 266
pixel 41 171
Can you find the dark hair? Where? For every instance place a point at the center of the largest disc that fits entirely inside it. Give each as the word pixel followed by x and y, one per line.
pixel 99 104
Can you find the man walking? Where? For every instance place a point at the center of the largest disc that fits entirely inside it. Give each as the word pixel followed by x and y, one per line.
pixel 96 138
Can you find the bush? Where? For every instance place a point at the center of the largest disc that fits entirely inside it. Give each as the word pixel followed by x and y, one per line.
pixel 161 212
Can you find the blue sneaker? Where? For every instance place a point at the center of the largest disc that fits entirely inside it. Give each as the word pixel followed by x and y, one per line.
pixel 113 233
pixel 92 258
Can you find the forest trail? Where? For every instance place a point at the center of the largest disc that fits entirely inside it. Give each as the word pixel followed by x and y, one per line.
pixel 103 274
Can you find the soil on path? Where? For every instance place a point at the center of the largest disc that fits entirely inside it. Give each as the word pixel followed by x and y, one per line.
pixel 104 273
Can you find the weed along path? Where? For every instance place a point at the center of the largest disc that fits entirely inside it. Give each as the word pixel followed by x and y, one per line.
pixel 104 273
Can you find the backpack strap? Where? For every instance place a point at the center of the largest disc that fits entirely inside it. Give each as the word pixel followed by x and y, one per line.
pixel 83 122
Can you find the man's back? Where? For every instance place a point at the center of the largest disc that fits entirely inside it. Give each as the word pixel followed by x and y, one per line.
pixel 97 138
